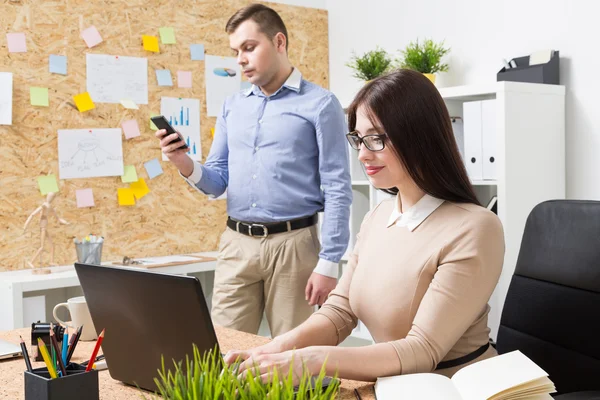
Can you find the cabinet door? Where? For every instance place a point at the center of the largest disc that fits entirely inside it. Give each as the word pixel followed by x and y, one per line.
pixel 488 139
pixel 472 137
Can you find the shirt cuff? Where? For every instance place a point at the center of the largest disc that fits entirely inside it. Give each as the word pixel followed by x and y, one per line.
pixel 327 268
pixel 196 174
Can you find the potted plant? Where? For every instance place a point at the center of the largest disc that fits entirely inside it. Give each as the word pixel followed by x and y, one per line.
pixel 207 377
pixel 425 58
pixel 370 65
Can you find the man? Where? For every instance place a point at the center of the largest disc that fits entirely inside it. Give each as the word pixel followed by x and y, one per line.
pixel 279 150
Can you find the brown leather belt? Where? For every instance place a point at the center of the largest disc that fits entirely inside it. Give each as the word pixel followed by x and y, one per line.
pixel 263 230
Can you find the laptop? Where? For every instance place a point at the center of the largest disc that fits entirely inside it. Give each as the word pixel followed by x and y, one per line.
pixel 147 314
pixel 9 350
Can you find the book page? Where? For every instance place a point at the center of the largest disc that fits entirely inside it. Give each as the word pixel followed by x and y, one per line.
pixel 416 387
pixel 486 378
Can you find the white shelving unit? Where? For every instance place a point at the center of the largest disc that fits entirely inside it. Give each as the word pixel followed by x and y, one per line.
pixel 530 144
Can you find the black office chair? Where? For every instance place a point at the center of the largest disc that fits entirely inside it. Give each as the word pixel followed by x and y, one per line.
pixel 552 309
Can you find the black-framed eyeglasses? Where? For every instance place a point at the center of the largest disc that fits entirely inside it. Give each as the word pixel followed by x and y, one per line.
pixel 371 142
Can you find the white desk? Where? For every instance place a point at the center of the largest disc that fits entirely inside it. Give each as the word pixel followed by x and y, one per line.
pixel 13 285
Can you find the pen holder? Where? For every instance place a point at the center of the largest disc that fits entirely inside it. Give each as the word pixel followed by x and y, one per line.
pixel 89 253
pixel 78 384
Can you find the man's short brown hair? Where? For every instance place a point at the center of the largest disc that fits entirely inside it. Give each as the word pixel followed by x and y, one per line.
pixel 269 22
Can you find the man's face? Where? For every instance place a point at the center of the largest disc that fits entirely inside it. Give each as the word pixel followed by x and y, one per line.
pixel 255 52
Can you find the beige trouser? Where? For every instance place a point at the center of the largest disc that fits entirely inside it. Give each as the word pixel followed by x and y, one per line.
pixel 264 274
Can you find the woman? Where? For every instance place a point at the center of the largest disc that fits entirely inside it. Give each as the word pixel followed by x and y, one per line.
pixel 425 262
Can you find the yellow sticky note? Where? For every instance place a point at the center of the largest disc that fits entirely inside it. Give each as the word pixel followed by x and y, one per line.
pixel 167 35
pixel 84 102
pixel 47 184
pixel 150 43
pixel 38 96
pixel 139 188
pixel 129 174
pixel 126 197
pixel 152 126
pixel 212 132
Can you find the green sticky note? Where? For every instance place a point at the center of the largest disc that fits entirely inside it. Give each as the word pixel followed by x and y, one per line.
pixel 38 96
pixel 129 174
pixel 152 126
pixel 167 35
pixel 47 184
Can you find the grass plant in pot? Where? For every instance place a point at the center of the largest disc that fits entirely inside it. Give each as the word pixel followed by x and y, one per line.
pixel 425 57
pixel 370 65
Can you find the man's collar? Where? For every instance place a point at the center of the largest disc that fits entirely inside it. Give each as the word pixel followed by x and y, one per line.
pixel 293 83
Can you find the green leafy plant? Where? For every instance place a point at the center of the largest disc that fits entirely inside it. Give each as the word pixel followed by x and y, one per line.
pixel 207 377
pixel 370 65
pixel 425 57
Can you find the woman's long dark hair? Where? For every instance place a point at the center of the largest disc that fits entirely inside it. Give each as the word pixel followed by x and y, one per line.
pixel 408 108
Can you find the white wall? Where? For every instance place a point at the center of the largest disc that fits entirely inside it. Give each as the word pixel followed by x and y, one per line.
pixel 481 33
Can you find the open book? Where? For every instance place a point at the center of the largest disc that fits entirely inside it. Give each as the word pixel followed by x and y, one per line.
pixel 508 376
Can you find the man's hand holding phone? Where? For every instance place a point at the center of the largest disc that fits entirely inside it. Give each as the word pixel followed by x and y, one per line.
pixel 173 145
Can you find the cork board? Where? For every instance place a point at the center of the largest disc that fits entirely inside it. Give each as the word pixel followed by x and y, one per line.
pixel 173 218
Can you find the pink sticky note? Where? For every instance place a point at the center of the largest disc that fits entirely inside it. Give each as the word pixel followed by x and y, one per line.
pixel 85 198
pixel 16 42
pixel 184 79
pixel 91 36
pixel 130 128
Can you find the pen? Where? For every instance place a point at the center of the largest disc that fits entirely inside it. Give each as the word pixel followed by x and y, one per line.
pixel 357 394
pixel 95 352
pixel 25 355
pixel 54 343
pixel 44 351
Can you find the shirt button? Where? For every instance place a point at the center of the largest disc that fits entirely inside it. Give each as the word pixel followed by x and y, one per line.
pixel 253 176
pixel 253 204
pixel 256 148
pixel 260 121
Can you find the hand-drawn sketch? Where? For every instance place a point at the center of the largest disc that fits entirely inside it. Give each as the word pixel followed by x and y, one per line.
pixel 111 79
pixel 86 153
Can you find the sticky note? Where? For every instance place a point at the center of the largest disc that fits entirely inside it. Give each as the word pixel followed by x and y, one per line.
pixel 184 79
pixel 126 197
pixel 16 42
pixel 139 188
pixel 129 174
pixel 38 96
pixel 197 52
pixel 152 126
pixel 47 184
pixel 91 36
pixel 129 104
pixel 131 128
pixel 150 43
pixel 163 77
pixel 84 102
pixel 85 198
pixel 212 132
pixel 57 64
pixel 167 35
pixel 153 168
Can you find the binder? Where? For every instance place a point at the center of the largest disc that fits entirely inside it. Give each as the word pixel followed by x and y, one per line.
pixel 472 137
pixel 488 139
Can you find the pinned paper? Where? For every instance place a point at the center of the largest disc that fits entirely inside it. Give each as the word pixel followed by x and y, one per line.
pixel 184 79
pixel 197 52
pixel 130 105
pixel 139 188
pixel 152 126
pixel 85 198
pixel 16 42
pixel 57 64
pixel 167 35
pixel 150 43
pixel 91 36
pixel 38 96
pixel 163 77
pixel 129 174
pixel 126 197
pixel 130 128
pixel 47 184
pixel 84 102
pixel 153 168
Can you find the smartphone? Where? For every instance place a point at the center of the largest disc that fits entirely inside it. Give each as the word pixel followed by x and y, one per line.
pixel 161 123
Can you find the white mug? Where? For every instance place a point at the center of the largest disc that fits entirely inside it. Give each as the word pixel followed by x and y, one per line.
pixel 80 315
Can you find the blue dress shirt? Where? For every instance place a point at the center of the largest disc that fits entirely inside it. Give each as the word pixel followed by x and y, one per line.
pixel 282 157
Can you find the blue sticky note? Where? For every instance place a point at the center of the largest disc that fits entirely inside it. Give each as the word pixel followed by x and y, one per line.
pixel 163 76
pixel 153 168
pixel 197 52
pixel 58 64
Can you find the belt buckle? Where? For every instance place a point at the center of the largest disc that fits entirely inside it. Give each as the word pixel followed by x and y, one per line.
pixel 265 230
